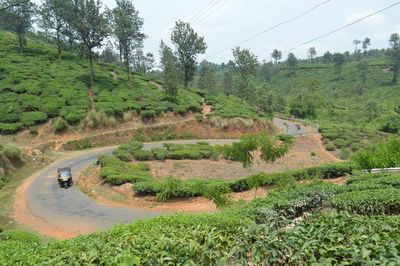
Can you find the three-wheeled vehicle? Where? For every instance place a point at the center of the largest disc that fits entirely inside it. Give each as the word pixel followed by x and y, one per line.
pixel 64 177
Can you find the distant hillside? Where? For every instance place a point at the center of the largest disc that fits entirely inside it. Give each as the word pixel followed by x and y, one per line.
pixel 35 87
pixel 351 113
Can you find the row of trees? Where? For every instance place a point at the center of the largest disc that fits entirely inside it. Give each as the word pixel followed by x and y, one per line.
pixel 83 25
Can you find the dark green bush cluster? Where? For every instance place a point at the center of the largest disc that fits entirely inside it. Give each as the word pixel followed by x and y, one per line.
pixel 380 155
pixel 59 125
pixel 117 172
pixel 179 152
pixel 290 203
pixel 214 189
pixel 126 152
pixel 391 124
pixel 12 152
pixel 375 201
pixel 145 99
pixel 35 87
pixel 230 107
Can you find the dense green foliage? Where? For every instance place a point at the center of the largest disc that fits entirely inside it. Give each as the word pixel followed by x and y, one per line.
pixel 35 87
pixel 261 232
pixel 117 172
pixel 380 155
pixel 270 148
pixel 230 107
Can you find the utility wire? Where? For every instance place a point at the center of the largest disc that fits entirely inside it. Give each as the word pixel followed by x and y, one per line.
pixel 202 10
pixel 206 12
pixel 12 5
pixel 341 28
pixel 211 12
pixel 271 28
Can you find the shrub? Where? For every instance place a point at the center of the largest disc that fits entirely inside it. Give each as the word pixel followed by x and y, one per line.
pixel 147 114
pixel 142 155
pixel 391 124
pixel 32 118
pixel 160 153
pixel 150 187
pixel 74 116
pixel 199 118
pixel 330 147
pixel 6 128
pixel 123 154
pixel 378 201
pixel 59 125
pixel 132 146
pixel 19 236
pixel 12 153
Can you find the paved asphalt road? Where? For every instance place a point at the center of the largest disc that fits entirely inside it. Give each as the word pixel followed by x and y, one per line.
pixel 73 210
pixel 70 208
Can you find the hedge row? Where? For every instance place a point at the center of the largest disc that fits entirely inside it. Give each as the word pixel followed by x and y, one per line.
pixel 154 187
pixel 375 201
pixel 201 150
pixel 116 172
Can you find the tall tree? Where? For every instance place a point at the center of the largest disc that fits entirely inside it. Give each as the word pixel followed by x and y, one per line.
pixel 291 62
pixel 356 43
pixel 245 66
pixel 363 70
pixel 327 57
pixel 228 83
pixel 188 45
pixel 91 24
pixel 127 26
pixel 18 17
pixel 394 52
pixel 53 15
pixel 276 55
pixel 207 79
pixel 339 61
pixel 149 62
pixel 312 53
pixel 365 43
pixel 170 68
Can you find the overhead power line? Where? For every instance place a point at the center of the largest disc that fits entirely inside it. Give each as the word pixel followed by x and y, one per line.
pixel 272 28
pixel 206 15
pixel 12 5
pixel 202 10
pixel 342 27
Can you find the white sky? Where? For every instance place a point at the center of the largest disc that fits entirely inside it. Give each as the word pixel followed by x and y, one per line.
pixel 237 20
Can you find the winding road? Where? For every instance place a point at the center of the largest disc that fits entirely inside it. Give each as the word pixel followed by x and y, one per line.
pixel 52 208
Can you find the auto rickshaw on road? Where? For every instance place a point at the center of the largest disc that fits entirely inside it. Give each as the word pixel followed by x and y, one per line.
pixel 65 177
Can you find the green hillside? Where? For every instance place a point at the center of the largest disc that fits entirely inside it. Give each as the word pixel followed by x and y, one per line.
pixel 35 87
pixel 350 113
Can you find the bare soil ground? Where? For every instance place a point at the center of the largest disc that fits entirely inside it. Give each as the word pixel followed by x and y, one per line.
pixel 299 157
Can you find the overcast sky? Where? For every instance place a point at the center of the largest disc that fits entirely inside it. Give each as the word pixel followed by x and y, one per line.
pixel 236 20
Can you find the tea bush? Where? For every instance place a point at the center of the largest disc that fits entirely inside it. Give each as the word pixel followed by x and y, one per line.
pixel 376 201
pixel 59 125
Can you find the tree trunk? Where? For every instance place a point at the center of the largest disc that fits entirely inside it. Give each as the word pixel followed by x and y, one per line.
pixel 128 69
pixel 91 71
pixel 186 78
pixel 20 39
pixel 58 44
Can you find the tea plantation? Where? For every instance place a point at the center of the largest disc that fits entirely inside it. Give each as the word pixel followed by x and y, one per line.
pixel 339 225
pixel 35 87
